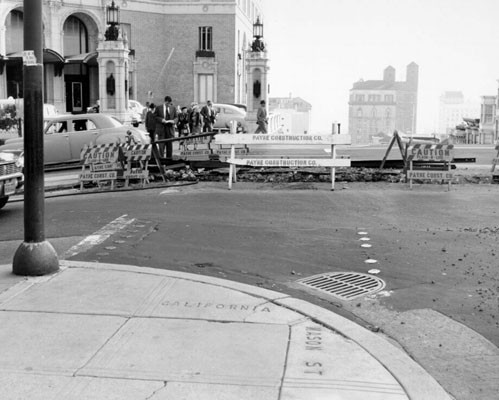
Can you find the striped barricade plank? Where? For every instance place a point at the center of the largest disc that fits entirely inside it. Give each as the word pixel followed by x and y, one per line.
pixel 431 152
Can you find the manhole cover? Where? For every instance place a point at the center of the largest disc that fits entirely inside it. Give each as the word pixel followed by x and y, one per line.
pixel 344 285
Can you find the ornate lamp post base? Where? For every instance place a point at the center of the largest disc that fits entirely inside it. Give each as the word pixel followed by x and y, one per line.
pixel 35 259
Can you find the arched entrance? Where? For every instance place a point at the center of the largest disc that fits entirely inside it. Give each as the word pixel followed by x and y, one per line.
pixel 81 79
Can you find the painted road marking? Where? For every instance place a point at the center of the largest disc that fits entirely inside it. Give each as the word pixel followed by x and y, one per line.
pixel 98 237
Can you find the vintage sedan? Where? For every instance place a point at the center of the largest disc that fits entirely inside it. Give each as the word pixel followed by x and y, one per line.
pixel 227 113
pixel 67 134
pixel 11 177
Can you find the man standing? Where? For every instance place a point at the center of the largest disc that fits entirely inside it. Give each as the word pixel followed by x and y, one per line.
pixel 261 119
pixel 209 117
pixel 166 119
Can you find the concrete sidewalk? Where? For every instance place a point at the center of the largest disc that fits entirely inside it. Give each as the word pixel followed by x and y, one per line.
pixel 103 331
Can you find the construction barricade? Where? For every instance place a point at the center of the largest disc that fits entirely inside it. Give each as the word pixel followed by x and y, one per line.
pixel 430 162
pixel 101 163
pixel 235 141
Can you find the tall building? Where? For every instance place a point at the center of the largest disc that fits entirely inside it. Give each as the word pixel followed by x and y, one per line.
pixel 452 109
pixel 190 50
pixel 294 114
pixel 378 107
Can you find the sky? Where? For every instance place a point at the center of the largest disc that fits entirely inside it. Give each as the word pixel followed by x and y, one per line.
pixel 319 48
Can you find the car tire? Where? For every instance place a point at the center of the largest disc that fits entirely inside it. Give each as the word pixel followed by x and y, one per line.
pixel 3 201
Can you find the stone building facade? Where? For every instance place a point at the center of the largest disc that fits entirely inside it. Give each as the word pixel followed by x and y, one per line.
pixel 378 107
pixel 294 114
pixel 190 50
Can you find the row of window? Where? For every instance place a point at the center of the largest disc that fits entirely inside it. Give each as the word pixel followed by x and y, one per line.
pixel 374 113
pixel 249 8
pixel 373 98
pixel 76 35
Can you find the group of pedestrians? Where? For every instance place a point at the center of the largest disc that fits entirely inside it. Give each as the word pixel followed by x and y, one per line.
pixel 162 121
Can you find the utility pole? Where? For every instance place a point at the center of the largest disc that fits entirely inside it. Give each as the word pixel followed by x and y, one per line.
pixel 35 256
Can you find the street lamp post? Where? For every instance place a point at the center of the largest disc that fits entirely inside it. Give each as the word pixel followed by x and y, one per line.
pixel 35 256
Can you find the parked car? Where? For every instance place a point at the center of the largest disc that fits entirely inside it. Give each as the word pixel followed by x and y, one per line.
pixel 136 109
pixel 227 113
pixel 11 177
pixel 67 134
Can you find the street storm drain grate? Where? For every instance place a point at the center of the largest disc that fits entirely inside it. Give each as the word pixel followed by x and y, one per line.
pixel 344 285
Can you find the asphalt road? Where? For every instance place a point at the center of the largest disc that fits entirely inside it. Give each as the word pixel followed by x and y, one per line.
pixel 435 250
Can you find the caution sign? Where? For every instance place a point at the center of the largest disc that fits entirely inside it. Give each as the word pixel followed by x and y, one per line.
pixel 106 153
pixel 101 163
pixel 433 162
pixel 431 152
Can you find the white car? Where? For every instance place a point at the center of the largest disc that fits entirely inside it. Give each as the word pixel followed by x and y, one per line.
pixel 66 135
pixel 227 113
pixel 136 110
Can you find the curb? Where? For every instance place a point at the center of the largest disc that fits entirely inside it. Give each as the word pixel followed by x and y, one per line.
pixel 414 379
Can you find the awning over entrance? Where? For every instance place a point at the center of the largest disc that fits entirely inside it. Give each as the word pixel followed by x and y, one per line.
pixel 49 57
pixel 84 58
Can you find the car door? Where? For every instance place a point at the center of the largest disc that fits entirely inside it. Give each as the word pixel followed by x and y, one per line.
pixel 56 142
pixel 84 133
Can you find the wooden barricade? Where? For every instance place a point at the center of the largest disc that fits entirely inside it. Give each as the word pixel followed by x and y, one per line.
pixel 104 162
pixel 236 140
pixel 430 162
pixel 137 163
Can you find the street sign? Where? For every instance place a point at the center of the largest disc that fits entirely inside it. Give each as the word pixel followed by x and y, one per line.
pixel 29 57
pixel 104 167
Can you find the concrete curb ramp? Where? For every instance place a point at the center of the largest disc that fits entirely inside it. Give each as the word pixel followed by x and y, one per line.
pixel 104 331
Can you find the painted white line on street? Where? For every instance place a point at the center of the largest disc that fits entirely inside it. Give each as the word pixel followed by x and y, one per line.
pixel 366 245
pixel 98 237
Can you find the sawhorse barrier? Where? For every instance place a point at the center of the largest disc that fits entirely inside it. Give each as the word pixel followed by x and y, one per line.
pixel 433 162
pixel 103 163
pixel 236 140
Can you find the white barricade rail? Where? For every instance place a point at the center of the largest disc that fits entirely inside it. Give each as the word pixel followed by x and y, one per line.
pixel 435 153
pixel 283 139
pixel 103 163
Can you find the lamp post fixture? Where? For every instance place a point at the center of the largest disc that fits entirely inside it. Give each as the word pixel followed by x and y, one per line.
pixel 258 45
pixel 113 20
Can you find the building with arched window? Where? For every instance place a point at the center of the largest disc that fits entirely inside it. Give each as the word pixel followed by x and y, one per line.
pixel 378 107
pixel 192 51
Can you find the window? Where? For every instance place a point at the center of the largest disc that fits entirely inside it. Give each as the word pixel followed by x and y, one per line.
pixel 206 38
pixel 359 112
pixel 389 98
pixel 206 87
pixel 126 30
pixel 75 37
pixel 359 97
pixel 14 32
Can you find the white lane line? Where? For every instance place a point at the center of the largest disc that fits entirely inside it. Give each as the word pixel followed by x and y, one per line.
pixel 98 237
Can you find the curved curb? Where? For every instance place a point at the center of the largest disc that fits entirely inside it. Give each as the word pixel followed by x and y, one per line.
pixel 417 383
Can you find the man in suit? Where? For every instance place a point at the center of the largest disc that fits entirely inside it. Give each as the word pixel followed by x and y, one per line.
pixel 209 117
pixel 261 119
pixel 166 119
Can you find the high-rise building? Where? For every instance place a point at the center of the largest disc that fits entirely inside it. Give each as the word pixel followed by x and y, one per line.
pixel 378 107
pixel 190 50
pixel 452 109
pixel 294 114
